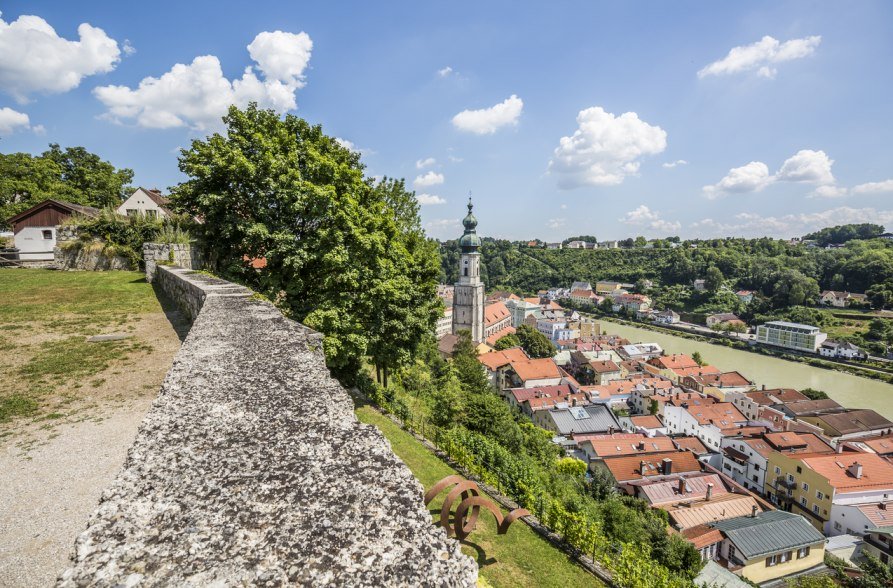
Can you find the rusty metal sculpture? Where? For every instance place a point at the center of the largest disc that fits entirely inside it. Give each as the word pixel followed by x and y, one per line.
pixel 466 516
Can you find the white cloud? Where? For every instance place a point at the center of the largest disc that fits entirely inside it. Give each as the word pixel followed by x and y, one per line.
pixel 12 121
pixel 808 166
pixel 604 149
pixel 874 187
pixel 489 120
pixel 198 95
pixel 282 56
pixel 127 48
pixel 805 166
pixel 423 163
pixel 643 216
pixel 431 178
pixel 563 207
pixel 33 58
pixel 751 224
pixel 761 56
pixel 752 177
pixel 445 71
pixel 556 223
pixel 672 164
pixel 429 199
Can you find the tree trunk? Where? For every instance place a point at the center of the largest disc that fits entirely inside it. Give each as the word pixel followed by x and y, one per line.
pixel 378 373
pixel 385 372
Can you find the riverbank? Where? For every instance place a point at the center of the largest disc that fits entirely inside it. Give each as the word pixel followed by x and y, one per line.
pixel 722 340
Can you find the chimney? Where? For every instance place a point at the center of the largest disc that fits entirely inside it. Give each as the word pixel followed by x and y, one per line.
pixel 882 506
pixel 839 447
pixel 855 470
pixel 764 386
pixel 681 486
pixel 709 491
pixel 642 468
pixel 641 446
pixel 753 511
pixel 667 466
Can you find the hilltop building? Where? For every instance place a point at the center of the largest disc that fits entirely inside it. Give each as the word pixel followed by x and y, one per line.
pixel 468 297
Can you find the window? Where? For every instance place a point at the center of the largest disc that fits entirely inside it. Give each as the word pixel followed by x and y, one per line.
pixel 837 526
pixel 151 213
pixel 803 500
pixel 805 486
pixel 465 271
pixel 755 479
pixel 786 556
pixel 132 212
pixel 731 551
pixel 819 494
pixel 802 552
pixel 48 234
pixel 756 467
pixel 777 471
pixel 815 508
pixel 799 470
pixel 790 477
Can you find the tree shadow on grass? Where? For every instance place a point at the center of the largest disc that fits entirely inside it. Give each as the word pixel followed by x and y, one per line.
pixel 174 315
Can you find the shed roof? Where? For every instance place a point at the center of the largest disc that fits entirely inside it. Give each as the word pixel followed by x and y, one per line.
pixel 70 206
pixel 629 468
pixel 584 419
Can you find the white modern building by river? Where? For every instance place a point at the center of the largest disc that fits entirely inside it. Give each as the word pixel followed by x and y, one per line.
pixel 791 335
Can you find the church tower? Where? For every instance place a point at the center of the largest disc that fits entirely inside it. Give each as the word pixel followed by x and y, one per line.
pixel 468 297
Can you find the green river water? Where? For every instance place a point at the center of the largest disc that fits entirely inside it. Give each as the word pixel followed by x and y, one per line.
pixel 849 390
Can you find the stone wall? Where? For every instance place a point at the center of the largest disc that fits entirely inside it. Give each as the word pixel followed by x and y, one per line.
pixel 250 468
pixel 84 256
pixel 185 256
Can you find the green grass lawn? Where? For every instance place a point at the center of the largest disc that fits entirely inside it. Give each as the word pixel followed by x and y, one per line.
pixel 518 558
pixel 45 317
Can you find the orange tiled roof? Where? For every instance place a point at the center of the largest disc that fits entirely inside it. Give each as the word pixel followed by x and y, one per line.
pixel 611 447
pixel 695 371
pixel 702 535
pixel 497 359
pixel 536 369
pixel 722 380
pixel 881 445
pixel 647 421
pixel 630 468
pixel 692 444
pixel 604 367
pixel 721 414
pixel 495 312
pixel 673 362
pixel 877 472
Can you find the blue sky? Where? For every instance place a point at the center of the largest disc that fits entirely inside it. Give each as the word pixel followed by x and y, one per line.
pixel 788 132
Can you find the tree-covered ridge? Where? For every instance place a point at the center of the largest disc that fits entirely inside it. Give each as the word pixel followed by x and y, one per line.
pixel 72 174
pixel 783 274
pixel 344 254
pixel 845 233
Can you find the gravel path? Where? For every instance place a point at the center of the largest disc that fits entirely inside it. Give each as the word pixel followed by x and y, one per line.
pixel 46 497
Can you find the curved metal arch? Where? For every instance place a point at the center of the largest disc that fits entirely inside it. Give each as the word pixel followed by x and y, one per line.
pixel 467 513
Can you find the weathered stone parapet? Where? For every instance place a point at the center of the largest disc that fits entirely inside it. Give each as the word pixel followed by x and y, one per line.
pixel 185 256
pixel 251 469
pixel 71 254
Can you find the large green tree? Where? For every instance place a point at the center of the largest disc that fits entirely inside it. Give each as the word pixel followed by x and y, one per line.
pixel 345 255
pixel 72 174
pixel 535 343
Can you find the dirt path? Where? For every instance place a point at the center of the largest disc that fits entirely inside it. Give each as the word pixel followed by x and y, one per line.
pixel 54 473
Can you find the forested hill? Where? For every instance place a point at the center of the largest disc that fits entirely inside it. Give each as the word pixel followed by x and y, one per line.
pixel 789 274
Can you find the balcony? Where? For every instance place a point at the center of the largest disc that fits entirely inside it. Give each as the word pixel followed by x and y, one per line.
pixel 882 547
pixel 783 482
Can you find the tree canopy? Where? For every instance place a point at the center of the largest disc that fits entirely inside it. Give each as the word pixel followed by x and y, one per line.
pixel 534 343
pixel 72 174
pixel 344 254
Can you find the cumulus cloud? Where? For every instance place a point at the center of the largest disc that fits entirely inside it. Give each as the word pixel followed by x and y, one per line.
pixel 423 163
pixel 751 224
pixel 445 71
pixel 429 199
pixel 762 56
pixel 431 178
pixel 672 164
pixel 489 120
pixel 12 121
pixel 127 48
pixel 805 166
pixel 33 58
pixel 808 166
pixel 604 149
pixel 556 223
pixel 874 187
pixel 197 95
pixel 642 216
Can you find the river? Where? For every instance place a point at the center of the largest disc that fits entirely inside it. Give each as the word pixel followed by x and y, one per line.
pixel 849 390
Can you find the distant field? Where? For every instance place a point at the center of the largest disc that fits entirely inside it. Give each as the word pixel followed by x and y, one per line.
pixel 518 558
pixel 50 371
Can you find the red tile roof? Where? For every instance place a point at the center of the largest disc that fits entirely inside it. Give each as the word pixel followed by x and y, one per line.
pixel 604 367
pixel 497 359
pixel 721 414
pixel 629 467
pixel 492 339
pixel 877 472
pixel 692 444
pixel 495 312
pixel 522 394
pixel 611 447
pixel 673 362
pixel 536 369
pixel 646 421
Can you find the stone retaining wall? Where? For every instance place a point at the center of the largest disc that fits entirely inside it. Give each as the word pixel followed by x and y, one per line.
pixel 250 468
pixel 185 256
pixel 83 256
